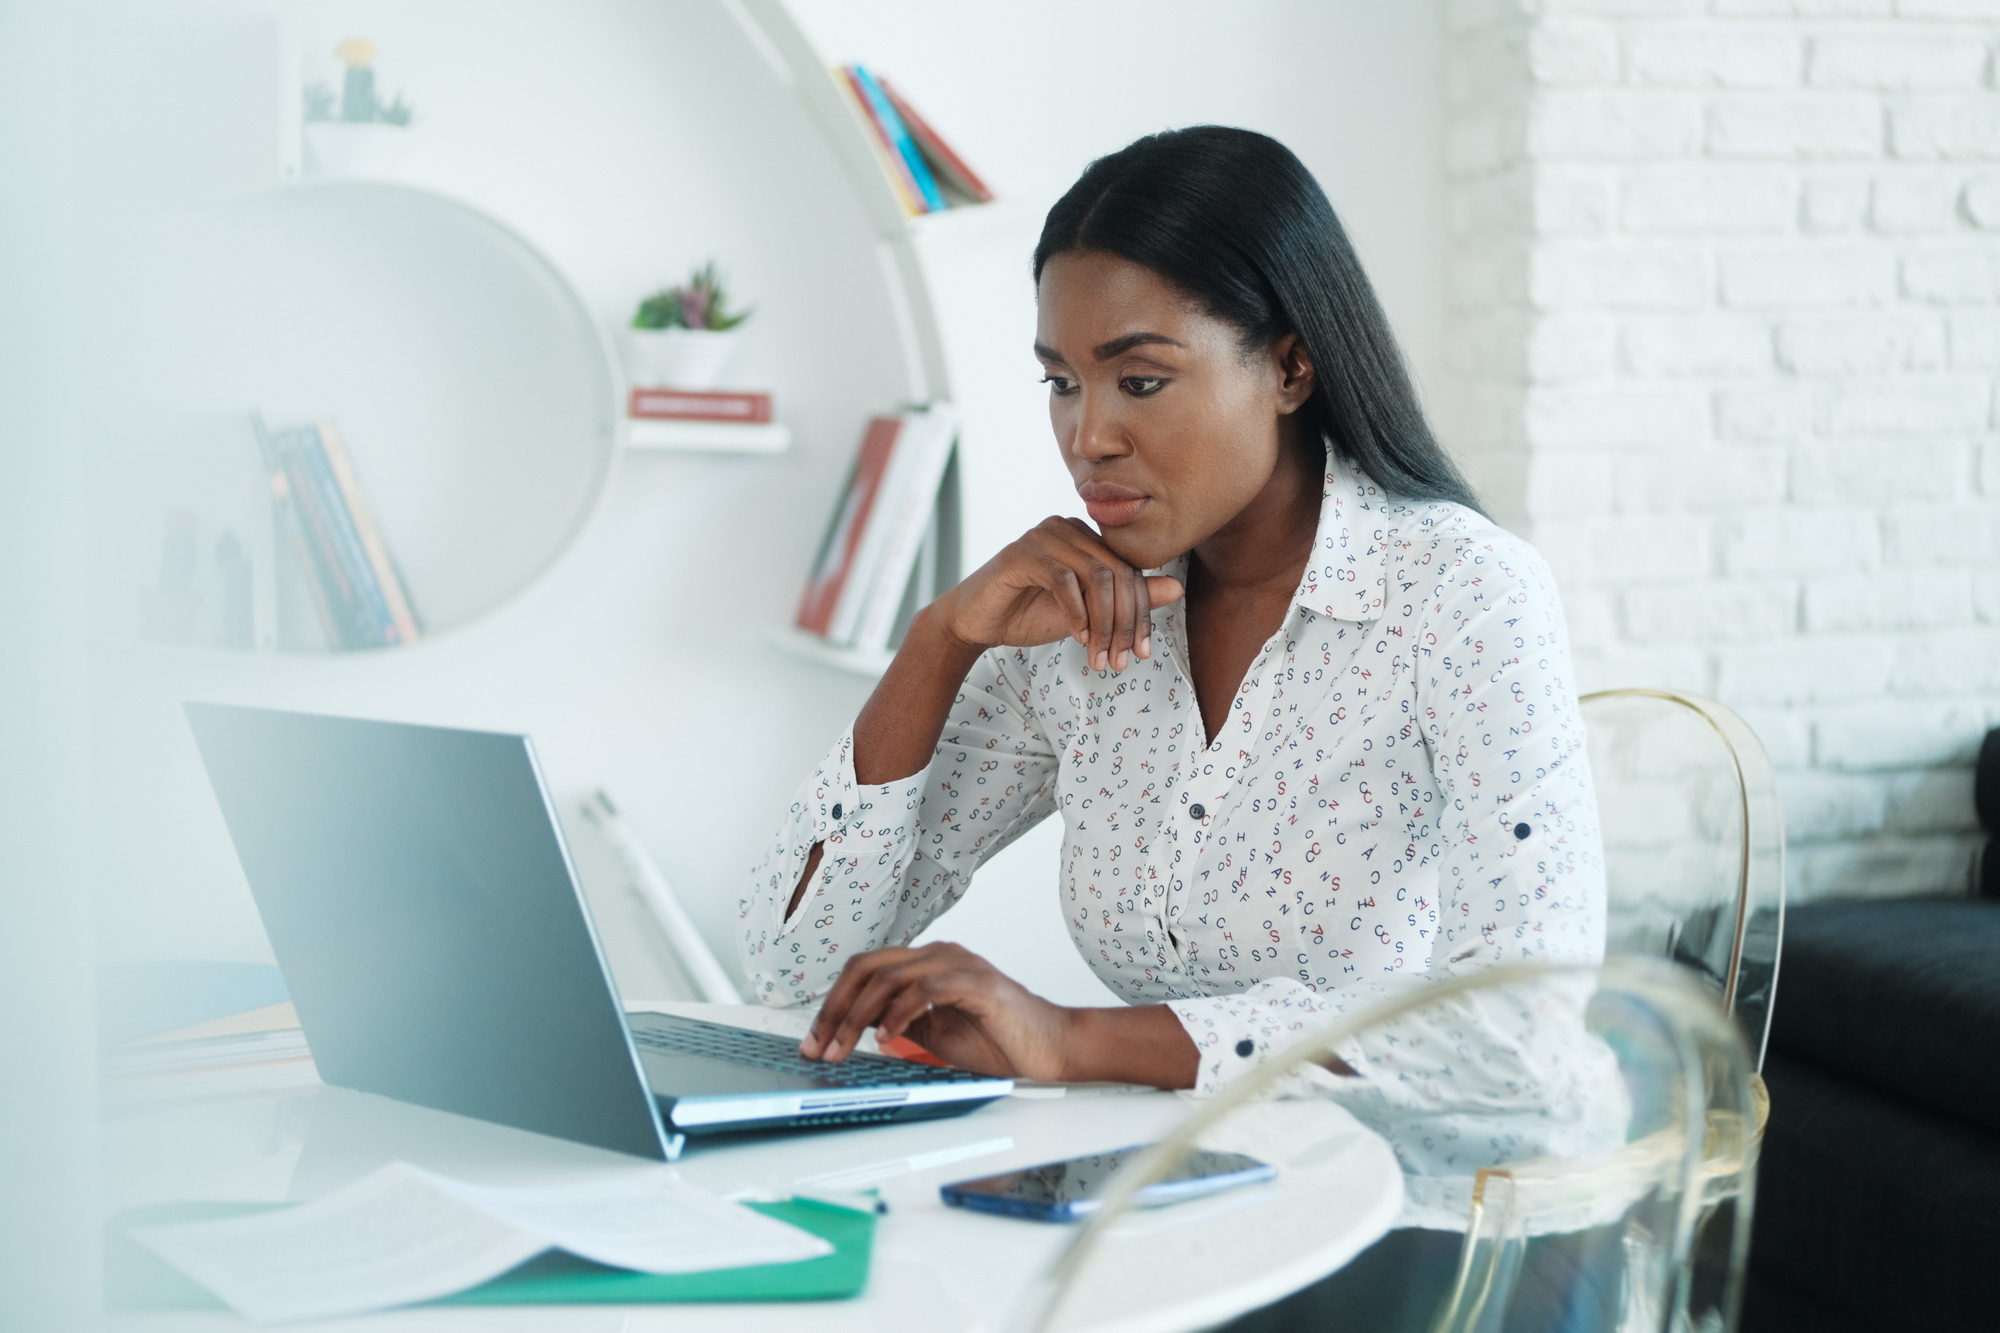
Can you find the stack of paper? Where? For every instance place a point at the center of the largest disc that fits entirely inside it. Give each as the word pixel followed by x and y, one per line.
pixel 403 1235
pixel 259 1050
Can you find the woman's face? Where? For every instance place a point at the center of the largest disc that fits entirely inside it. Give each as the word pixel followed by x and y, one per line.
pixel 1170 430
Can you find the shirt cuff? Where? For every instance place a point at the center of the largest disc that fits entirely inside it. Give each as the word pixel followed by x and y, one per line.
pixel 1234 1034
pixel 840 807
pixel 859 824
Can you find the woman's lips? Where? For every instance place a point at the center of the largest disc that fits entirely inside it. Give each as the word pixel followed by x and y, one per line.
pixel 1111 506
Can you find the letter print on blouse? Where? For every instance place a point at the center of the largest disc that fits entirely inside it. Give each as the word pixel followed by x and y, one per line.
pixel 1399 790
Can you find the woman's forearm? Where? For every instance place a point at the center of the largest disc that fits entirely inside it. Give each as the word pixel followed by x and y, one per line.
pixel 898 730
pixel 1143 1044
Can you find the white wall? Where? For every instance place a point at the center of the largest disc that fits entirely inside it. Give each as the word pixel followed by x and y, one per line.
pixel 629 140
pixel 1724 316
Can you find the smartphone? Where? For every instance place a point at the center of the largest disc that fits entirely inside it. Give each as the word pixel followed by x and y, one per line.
pixel 1065 1191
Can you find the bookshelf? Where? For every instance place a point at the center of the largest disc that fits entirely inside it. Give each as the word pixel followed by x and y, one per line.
pixel 375 302
pixel 473 388
pixel 795 642
pixel 709 437
pixel 914 254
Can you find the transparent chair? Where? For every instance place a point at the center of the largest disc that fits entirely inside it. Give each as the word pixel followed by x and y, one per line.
pixel 1673 1137
pixel 1694 843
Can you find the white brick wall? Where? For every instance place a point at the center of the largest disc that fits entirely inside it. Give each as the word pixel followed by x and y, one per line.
pixel 1725 344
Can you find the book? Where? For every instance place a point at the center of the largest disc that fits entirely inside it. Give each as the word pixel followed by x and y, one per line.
pixel 699 405
pixel 898 171
pixel 378 627
pixel 388 579
pixel 833 570
pixel 949 168
pixel 288 517
pixel 357 591
pixel 906 514
pixel 898 138
pixel 875 531
pixel 332 597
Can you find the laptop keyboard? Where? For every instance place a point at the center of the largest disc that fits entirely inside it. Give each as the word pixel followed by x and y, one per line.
pixel 693 1036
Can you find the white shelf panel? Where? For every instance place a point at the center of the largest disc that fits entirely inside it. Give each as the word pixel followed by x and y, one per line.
pixel 795 642
pixel 710 437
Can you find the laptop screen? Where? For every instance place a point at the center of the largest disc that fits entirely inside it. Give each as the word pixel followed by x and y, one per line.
pixel 422 907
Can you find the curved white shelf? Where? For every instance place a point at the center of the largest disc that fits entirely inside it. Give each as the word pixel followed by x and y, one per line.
pixel 710 437
pixel 473 388
pixel 795 642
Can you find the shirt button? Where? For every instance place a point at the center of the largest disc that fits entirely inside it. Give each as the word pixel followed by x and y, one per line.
pixel 1246 1048
pixel 836 810
pixel 1521 831
pixel 1197 811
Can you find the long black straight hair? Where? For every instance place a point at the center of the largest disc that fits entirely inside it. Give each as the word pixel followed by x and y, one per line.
pixel 1234 219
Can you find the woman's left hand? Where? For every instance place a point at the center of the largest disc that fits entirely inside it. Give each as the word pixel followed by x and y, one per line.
pixel 951 1002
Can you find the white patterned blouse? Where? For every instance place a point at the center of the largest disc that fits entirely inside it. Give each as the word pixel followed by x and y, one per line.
pixel 1400 790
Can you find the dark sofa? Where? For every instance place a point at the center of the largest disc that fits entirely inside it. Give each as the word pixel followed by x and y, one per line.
pixel 1878 1193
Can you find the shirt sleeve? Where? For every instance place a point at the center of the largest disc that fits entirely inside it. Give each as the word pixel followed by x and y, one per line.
pixel 1520 879
pixel 898 854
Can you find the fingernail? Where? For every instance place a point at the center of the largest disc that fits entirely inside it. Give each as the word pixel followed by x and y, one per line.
pixel 1145 645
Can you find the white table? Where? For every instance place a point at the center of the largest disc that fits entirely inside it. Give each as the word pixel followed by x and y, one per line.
pixel 935 1268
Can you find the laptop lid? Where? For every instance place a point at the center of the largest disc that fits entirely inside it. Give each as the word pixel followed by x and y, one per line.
pixel 421 904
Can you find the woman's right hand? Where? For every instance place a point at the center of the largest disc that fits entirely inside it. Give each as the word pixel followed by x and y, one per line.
pixel 1060 580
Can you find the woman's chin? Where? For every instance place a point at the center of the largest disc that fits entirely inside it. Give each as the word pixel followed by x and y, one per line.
pixel 1141 549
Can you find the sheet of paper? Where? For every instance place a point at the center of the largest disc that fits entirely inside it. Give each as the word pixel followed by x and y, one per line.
pixel 647 1221
pixel 403 1235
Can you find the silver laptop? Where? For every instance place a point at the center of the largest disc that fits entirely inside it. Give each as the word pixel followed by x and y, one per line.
pixel 422 906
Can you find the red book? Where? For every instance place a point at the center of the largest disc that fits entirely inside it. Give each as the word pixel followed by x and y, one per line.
pixel 948 165
pixel 835 564
pixel 699 405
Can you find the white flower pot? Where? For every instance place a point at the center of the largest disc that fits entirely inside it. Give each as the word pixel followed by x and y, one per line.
pixel 679 358
pixel 354 148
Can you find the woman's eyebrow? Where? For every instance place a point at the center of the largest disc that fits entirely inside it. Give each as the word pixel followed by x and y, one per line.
pixel 1117 346
pixel 1105 351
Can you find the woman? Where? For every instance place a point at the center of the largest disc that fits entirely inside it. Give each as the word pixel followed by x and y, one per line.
pixel 1305 712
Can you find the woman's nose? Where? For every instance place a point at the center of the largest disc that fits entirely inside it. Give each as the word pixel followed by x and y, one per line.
pixel 1099 434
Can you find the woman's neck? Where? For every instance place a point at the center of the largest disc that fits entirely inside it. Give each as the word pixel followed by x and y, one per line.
pixel 1264 549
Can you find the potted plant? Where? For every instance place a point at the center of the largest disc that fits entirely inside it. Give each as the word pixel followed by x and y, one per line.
pixel 357 134
pixel 683 337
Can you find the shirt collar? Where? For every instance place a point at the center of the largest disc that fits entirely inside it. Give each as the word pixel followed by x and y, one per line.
pixel 1346 576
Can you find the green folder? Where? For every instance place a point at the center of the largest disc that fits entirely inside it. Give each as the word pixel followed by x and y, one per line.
pixel 137 1279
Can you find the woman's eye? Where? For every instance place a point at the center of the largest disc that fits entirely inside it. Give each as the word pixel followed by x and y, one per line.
pixel 1059 386
pixel 1143 386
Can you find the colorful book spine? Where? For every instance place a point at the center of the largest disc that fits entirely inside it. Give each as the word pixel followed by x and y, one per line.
pixel 899 139
pixel 358 592
pixel 900 181
pixel 323 568
pixel 945 164
pixel 699 405
pixel 379 625
pixel 288 521
pixel 835 572
pixel 388 579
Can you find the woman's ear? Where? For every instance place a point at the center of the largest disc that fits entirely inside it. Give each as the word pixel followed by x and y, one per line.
pixel 1295 373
